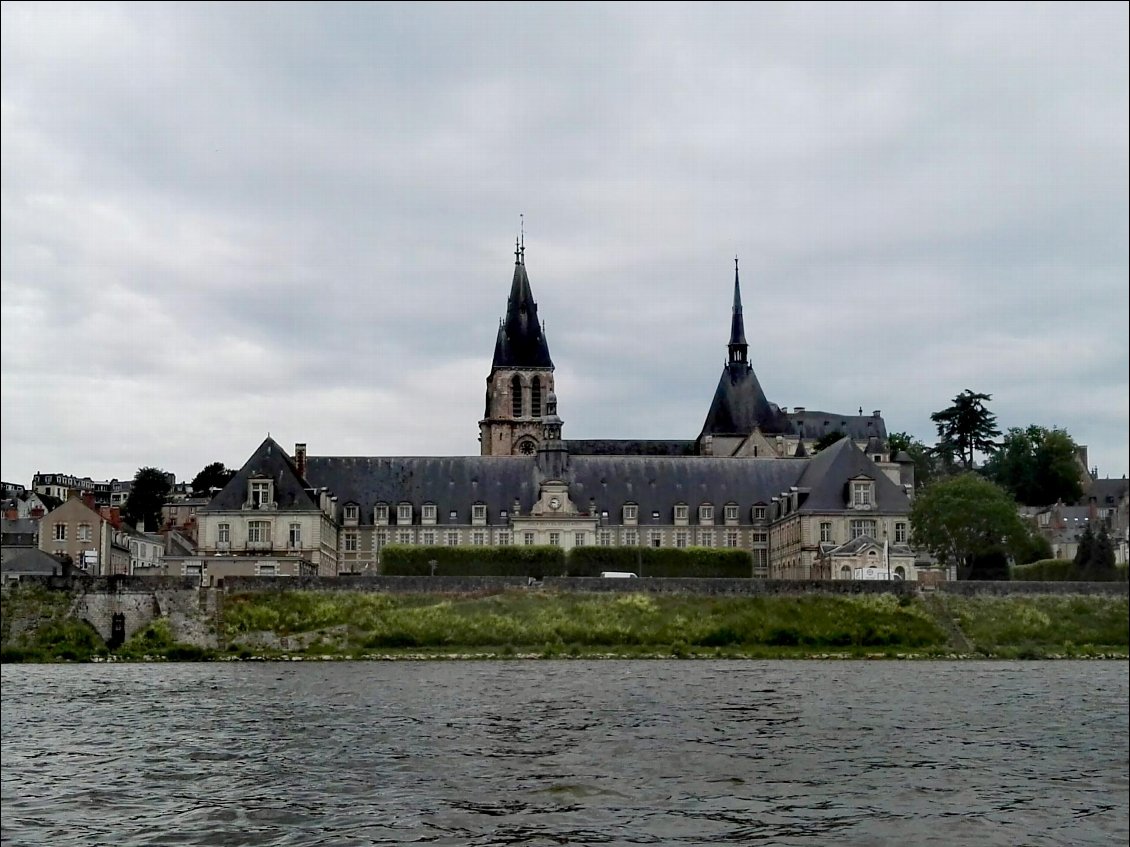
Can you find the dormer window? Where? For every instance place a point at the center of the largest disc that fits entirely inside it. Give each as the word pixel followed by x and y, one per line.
pixel 731 512
pixel 631 513
pixel 428 513
pixel 261 493
pixel 453 516
pixel 862 493
pixel 479 513
pixel 759 513
pixel 681 512
pixel 706 513
pixel 351 513
pixel 404 513
pixel 380 513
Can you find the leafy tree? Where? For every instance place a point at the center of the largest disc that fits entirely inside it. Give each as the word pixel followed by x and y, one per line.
pixel 969 522
pixel 150 490
pixel 212 476
pixel 1084 552
pixel 925 467
pixel 827 440
pixel 1037 465
pixel 966 427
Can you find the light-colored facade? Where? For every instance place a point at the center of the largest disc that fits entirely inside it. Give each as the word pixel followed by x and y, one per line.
pixel 94 545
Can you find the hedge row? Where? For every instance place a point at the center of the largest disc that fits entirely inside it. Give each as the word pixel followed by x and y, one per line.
pixel 1057 570
pixel 538 562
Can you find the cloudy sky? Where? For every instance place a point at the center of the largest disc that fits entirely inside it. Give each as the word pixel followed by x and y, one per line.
pixel 223 221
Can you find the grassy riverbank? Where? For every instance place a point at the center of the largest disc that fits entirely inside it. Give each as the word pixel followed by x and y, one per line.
pixel 311 624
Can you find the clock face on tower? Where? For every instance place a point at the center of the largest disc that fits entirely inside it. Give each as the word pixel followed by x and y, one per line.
pixel 554 503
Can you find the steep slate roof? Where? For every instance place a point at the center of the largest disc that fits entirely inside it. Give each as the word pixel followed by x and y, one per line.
pixel 270 461
pixel 520 342
pixel 1107 492
pixel 814 425
pixel 826 474
pixel 740 406
pixel 455 483
pixel 629 447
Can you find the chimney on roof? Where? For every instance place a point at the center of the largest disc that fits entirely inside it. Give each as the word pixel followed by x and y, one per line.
pixel 300 459
pixel 875 414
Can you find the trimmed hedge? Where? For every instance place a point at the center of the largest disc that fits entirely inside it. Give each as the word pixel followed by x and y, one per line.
pixel 701 562
pixel 536 562
pixel 1056 570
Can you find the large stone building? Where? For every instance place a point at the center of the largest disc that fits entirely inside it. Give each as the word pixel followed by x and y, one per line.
pixel 751 479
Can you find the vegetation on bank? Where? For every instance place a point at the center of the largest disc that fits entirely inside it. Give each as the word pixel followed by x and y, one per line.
pixel 312 624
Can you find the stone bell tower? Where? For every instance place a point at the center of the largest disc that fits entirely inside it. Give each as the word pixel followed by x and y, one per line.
pixel 521 375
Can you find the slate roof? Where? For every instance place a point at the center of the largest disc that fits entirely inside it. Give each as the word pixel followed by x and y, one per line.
pixel 826 476
pixel 740 406
pixel 1107 492
pixel 629 447
pixel 814 425
pixel 520 342
pixel 269 461
pixel 31 561
pixel 601 483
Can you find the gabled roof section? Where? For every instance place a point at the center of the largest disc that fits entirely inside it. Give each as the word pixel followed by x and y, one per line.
pixel 828 472
pixel 520 342
pixel 270 461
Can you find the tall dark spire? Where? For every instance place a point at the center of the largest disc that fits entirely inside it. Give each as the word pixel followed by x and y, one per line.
pixel 739 350
pixel 521 342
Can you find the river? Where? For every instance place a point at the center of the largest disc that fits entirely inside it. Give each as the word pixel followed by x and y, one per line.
pixel 552 752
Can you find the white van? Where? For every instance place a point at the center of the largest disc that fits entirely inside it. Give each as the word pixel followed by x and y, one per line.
pixel 617 575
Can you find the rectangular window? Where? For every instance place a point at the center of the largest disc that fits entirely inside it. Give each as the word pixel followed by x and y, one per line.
pixel 528 539
pixel 267 570
pixel 428 513
pixel 680 513
pixel 295 537
pixel 656 538
pixel 351 513
pixel 759 513
pixel 555 539
pixel 578 539
pixel 350 542
pixel 732 538
pixel 760 538
pixel 862 527
pixel 260 492
pixel 453 539
pixel 861 493
pixel 680 539
pixel 380 513
pixel 731 512
pixel 404 513
pixel 258 532
pixel 706 514
pixel 453 516
pixel 60 532
pixel 223 533
pixel 479 539
pixel 84 532
pixel 631 538
pixel 630 513
pixel 478 512
pixel 504 539
pixel 382 539
pixel 429 538
pixel 760 562
pixel 605 538
pixel 826 531
pixel 900 533
pixel 404 536
pixel 706 538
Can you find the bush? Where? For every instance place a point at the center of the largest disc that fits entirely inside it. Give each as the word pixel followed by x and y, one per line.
pixel 536 562
pixel 1047 570
pixel 702 562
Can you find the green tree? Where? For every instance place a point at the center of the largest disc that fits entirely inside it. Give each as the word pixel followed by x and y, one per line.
pixel 1094 559
pixel 1084 553
pixel 827 441
pixel 147 495
pixel 212 476
pixel 1037 466
pixel 969 522
pixel 925 465
pixel 966 427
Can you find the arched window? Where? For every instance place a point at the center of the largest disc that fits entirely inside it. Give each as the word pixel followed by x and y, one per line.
pixel 535 398
pixel 516 396
pixel 900 572
pixel 845 572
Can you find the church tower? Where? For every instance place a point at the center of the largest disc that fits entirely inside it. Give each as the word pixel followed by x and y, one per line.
pixel 521 375
pixel 740 408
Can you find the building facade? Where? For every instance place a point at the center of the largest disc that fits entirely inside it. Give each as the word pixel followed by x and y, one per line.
pixel 752 479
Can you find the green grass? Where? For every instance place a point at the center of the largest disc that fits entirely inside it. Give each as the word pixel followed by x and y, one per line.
pixel 1037 625
pixel 52 634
